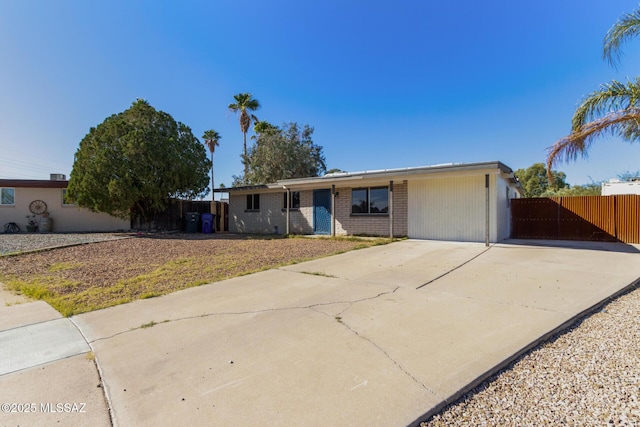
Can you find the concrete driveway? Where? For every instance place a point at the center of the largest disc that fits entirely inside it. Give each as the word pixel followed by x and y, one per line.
pixel 380 336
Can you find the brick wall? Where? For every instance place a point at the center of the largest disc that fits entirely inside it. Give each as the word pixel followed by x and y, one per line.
pixel 272 213
pixel 263 221
pixel 302 220
pixel 400 208
pixel 347 224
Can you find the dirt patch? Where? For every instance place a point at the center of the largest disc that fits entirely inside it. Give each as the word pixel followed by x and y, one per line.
pixel 83 278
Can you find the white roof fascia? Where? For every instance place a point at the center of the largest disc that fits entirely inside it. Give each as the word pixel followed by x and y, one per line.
pixel 379 177
pixel 384 176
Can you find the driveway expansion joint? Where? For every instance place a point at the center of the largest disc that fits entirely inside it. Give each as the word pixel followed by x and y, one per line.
pixel 105 392
pixel 455 268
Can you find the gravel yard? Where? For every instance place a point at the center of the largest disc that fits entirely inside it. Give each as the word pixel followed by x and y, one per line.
pixel 587 376
pixel 115 270
pixel 23 242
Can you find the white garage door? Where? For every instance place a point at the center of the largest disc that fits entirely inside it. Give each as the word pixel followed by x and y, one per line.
pixel 448 209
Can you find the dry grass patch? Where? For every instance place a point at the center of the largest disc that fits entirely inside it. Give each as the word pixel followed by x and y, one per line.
pixel 83 278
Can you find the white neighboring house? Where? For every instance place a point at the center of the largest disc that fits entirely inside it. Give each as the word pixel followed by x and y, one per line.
pixel 18 195
pixel 615 187
pixel 458 202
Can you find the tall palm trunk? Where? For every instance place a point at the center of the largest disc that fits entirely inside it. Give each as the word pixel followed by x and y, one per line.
pixel 244 159
pixel 245 123
pixel 213 195
pixel 243 104
pixel 211 138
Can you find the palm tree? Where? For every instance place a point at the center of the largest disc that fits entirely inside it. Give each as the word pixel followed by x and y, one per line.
pixel 244 103
pixel 261 127
pixel 628 26
pixel 613 109
pixel 211 138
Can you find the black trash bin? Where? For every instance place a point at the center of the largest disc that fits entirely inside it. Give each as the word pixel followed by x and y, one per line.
pixel 208 223
pixel 192 222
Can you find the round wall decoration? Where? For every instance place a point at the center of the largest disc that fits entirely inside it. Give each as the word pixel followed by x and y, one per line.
pixel 38 207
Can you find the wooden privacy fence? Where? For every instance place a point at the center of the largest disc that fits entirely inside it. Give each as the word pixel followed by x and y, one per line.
pixel 600 218
pixel 174 217
pixel 221 210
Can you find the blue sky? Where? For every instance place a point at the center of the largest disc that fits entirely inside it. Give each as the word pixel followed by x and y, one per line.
pixel 384 84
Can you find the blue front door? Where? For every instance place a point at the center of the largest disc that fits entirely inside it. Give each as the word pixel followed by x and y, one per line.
pixel 321 211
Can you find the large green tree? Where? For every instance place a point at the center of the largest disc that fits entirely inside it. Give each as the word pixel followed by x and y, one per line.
pixel 613 109
pixel 135 161
pixel 244 104
pixel 535 183
pixel 211 138
pixel 593 189
pixel 283 153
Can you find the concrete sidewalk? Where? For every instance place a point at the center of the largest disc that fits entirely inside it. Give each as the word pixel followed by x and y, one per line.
pixel 47 375
pixel 380 336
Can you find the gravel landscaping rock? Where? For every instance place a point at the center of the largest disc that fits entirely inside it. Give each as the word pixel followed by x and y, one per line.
pixel 22 242
pixel 587 376
pixel 84 277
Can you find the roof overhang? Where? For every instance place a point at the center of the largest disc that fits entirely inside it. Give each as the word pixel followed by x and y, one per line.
pixel 381 177
pixel 33 183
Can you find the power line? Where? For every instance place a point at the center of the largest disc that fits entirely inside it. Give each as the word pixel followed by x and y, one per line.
pixel 18 169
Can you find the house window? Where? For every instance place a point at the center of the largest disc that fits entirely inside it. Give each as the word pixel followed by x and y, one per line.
pixel 294 201
pixel 66 200
pixel 7 196
pixel 253 202
pixel 373 200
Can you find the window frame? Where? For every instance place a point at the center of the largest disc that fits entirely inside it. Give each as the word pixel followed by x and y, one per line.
pixel 253 202
pixel 64 201
pixel 368 201
pixel 292 201
pixel 13 191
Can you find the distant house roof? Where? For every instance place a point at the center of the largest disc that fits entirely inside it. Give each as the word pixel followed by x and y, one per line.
pixel 617 187
pixel 33 183
pixel 350 178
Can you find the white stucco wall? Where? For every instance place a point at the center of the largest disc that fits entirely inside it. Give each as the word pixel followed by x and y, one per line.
pixel 65 218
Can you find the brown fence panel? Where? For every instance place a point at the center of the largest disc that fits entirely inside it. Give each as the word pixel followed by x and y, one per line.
pixel 169 219
pixel 200 206
pixel 600 218
pixel 587 218
pixel 173 217
pixel 221 211
pixel 535 218
pixel 628 218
